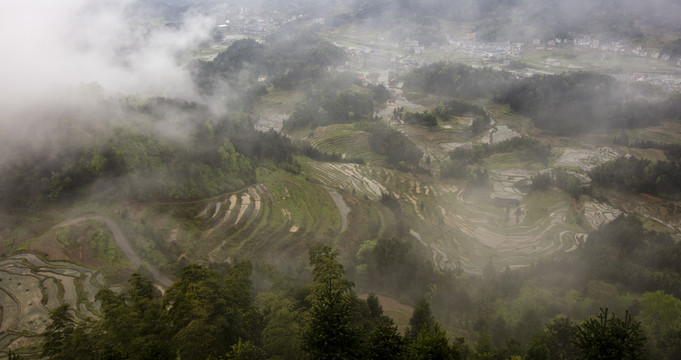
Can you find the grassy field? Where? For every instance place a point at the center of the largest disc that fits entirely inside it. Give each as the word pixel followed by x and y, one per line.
pixel 345 140
pixel 573 58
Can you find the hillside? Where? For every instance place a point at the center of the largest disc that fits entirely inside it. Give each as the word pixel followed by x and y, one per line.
pixel 504 190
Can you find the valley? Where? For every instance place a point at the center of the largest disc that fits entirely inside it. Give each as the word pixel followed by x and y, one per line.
pixel 455 169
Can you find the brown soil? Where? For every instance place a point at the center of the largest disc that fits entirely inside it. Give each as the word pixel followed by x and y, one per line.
pixel 50 248
pixel 397 311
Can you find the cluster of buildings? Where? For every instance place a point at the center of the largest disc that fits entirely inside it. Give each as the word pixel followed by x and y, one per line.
pixel 378 59
pixel 488 50
pixel 244 21
pixel 613 47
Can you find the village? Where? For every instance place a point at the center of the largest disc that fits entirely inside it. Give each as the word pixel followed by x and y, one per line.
pixel 380 59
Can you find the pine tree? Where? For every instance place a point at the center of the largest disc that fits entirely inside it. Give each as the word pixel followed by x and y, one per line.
pixel 58 333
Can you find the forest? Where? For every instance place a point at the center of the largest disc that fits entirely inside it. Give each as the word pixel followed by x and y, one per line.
pixel 128 158
pixel 289 60
pixel 564 104
pixel 216 312
pixel 575 103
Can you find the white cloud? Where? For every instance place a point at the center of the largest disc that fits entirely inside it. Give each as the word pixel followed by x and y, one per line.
pixel 49 46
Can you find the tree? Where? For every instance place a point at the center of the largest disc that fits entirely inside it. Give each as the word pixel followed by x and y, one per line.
pixel 131 322
pixel 538 348
pixel 58 333
pixel 245 351
pixel 609 337
pixel 282 334
pixel 431 344
pixel 559 334
pixel 385 339
pixel 375 308
pixel 484 348
pixel 421 319
pixel 330 334
pixel 661 318
pixel 202 319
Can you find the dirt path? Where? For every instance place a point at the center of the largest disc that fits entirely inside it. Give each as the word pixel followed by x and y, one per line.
pixel 122 242
pixel 342 207
pixel 211 255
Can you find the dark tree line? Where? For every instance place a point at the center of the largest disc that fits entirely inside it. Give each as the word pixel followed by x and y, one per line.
pixel 660 178
pixel 386 140
pixel 456 80
pixel 215 313
pixel 425 118
pixel 316 154
pixel 482 120
pixel 131 156
pixel 288 60
pixel 565 104
pixel 329 102
pixel 443 112
pixel 575 103
pixel 565 180
pixel 210 313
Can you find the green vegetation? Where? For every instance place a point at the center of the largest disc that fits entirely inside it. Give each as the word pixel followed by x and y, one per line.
pixel 575 103
pixel 456 80
pixel 346 107
pixel 661 178
pixel 672 48
pixel 336 100
pixel 229 211
pixel 215 312
pixel 289 61
pixel 385 140
pixel 536 150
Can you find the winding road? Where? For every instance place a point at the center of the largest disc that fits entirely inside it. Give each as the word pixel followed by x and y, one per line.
pixel 341 205
pixel 122 242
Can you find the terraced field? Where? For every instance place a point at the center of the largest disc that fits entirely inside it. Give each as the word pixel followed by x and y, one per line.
pixel 30 287
pixel 349 177
pixel 463 224
pixel 346 141
pixel 270 222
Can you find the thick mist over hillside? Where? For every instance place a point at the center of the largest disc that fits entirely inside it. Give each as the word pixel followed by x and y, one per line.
pixel 355 179
pixel 53 48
